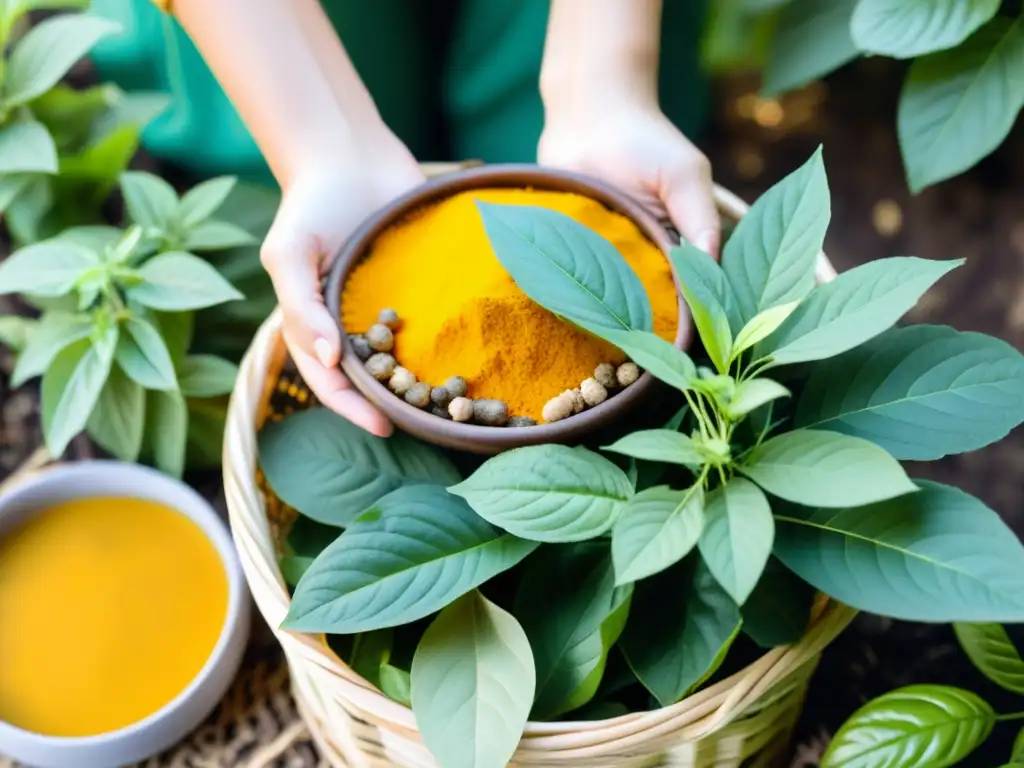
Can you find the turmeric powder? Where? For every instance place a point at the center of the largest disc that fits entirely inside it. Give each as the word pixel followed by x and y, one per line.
pixel 463 315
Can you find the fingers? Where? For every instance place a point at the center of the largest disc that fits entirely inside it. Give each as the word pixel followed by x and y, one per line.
pixel 690 201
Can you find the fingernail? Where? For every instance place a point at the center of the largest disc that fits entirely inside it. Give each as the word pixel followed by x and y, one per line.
pixel 324 352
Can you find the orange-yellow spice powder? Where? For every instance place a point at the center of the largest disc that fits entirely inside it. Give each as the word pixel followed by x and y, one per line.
pixel 462 315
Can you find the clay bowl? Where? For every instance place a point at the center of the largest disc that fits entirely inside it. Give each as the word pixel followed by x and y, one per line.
pixel 470 437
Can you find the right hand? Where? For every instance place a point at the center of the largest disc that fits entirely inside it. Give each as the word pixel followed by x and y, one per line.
pixel 320 207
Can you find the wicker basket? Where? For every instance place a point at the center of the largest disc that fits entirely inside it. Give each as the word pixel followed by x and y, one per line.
pixel 743 720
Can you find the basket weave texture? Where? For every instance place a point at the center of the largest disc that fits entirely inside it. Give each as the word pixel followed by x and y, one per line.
pixel 743 720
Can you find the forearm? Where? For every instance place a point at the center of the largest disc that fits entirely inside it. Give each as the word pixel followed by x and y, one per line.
pixel 609 47
pixel 290 79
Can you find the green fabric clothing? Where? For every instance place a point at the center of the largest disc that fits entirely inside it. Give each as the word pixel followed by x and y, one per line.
pixel 454 80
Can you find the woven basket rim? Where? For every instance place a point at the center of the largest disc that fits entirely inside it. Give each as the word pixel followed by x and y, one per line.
pixel 695 716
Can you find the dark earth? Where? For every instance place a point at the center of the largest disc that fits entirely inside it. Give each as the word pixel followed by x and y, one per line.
pixel 977 216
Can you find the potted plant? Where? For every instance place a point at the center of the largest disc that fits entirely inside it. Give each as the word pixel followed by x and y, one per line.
pixel 554 584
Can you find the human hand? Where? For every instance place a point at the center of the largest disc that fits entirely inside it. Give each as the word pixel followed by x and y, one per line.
pixel 320 207
pixel 634 147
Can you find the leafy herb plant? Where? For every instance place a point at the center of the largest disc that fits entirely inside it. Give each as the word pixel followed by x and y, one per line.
pixel 961 94
pixel 61 149
pixel 934 726
pixel 566 582
pixel 112 343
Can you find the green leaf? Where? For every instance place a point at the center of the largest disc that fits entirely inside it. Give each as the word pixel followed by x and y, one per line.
pixel 921 392
pixel 55 331
pixel 811 40
pixel 293 567
pixel 309 538
pixel 410 555
pixel 203 200
pixel 918 725
pixel 572 613
pixel 150 200
pixel 93 238
pixel 990 649
pixel 937 555
pixel 369 651
pixel 1017 755
pixel 127 110
pixel 205 444
pixel 658 445
pixel 825 469
pixel 178 281
pixel 396 684
pixel 27 147
pixel 143 355
pixel 167 430
pixel 751 395
pixel 472 684
pixel 48 50
pixel 217 235
pixel 904 29
pixel 176 329
pixel 957 106
pixel 658 528
pixel 207 376
pixel 769 260
pixel 16 330
pixel 565 267
pixel 855 307
pixel 117 421
pixel 11 186
pixel 26 216
pixel 682 625
pixel 548 493
pixel 778 611
pixel 655 355
pixel 737 537
pixel 331 470
pixel 45 269
pixel 71 387
pixel 761 326
pixel 707 294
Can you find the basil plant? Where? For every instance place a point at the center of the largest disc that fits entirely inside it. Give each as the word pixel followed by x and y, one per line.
pixel 935 726
pixel 961 94
pixel 112 343
pixel 61 149
pixel 567 582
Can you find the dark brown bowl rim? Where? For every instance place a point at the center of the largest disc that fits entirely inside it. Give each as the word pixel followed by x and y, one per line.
pixel 474 437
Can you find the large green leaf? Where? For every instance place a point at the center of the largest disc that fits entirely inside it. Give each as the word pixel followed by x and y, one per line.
pixel 573 613
pixel 812 39
pixel 45 269
pixel 708 295
pixel 151 201
pixel 143 355
pixel 203 200
pixel 957 106
pixel 778 611
pixel 207 376
pixel 919 725
pixel 990 649
pixel 548 493
pixel 177 282
pixel 920 392
pixel 330 470
pixel 856 306
pixel 473 683
pixel 737 537
pixel 936 555
pixel 904 29
pixel 565 267
pixel 655 355
pixel 27 147
pixel 681 626
pixel 751 395
pixel 826 469
pixel 118 420
pixel 414 552
pixel 657 529
pixel 664 445
pixel 167 430
pixel 770 258
pixel 55 331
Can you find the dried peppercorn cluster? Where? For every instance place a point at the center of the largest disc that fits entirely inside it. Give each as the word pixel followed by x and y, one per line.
pixel 450 400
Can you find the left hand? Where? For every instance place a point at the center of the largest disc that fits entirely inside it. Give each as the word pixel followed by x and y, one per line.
pixel 635 148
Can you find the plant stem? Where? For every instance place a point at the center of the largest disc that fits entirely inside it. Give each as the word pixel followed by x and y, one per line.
pixel 1011 716
pixel 696 414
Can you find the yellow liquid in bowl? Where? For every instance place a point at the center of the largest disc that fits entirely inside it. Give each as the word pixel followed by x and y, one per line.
pixel 109 608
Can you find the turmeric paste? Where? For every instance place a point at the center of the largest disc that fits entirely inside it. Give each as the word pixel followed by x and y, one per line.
pixel 463 315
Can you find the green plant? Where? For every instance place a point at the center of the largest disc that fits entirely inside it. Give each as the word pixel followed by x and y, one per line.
pixel 112 344
pixel 934 726
pixel 61 149
pixel 960 97
pixel 779 477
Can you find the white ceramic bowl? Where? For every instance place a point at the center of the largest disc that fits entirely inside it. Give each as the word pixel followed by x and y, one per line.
pixel 182 714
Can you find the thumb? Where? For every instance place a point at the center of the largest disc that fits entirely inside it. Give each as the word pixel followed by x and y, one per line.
pixel 690 201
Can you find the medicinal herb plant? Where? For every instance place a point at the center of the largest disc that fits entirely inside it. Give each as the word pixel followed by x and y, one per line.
pixel 559 582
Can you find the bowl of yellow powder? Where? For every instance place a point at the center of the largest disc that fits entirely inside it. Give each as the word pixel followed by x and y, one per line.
pixel 427 256
pixel 123 615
